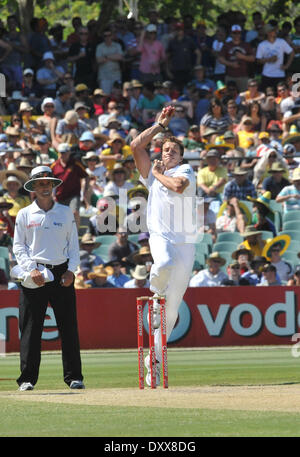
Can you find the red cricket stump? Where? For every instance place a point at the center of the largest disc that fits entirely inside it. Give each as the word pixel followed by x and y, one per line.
pixel 139 307
pixel 163 327
pixel 152 345
pixel 163 322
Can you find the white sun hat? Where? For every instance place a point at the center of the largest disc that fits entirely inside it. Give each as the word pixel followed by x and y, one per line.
pixel 40 173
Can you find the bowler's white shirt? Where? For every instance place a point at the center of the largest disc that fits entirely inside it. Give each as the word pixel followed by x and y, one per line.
pixel 170 214
pixel 48 237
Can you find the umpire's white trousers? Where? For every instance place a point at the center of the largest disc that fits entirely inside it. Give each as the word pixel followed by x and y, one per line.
pixel 169 276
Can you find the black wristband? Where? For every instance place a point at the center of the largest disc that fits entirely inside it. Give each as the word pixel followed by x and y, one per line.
pixel 162 126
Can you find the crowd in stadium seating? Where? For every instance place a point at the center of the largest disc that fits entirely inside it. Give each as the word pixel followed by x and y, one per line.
pixel 75 102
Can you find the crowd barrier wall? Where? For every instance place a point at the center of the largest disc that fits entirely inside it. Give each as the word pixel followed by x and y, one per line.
pixel 218 316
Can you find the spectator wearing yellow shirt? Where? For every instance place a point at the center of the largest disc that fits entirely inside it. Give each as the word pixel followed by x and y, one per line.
pixel 212 178
pixel 246 133
pixel 118 150
pixel 253 240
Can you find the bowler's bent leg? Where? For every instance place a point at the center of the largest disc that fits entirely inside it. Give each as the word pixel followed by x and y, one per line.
pixel 178 283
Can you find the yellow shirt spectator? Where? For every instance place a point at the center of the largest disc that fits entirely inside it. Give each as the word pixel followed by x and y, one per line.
pixel 116 151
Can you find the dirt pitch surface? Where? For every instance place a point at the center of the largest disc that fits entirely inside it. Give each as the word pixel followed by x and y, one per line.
pixel 285 398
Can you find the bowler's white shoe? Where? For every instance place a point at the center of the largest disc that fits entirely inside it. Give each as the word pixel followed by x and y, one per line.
pixel 26 386
pixel 148 376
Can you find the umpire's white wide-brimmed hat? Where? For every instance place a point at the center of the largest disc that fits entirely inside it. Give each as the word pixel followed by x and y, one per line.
pixel 39 173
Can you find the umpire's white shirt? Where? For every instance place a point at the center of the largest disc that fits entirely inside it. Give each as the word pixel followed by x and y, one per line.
pixel 170 214
pixel 48 237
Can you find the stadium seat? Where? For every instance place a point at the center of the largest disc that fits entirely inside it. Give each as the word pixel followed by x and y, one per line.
pixel 235 237
pixel 206 238
pixel 203 248
pixel 275 206
pixel 291 216
pixel 266 234
pixel 227 256
pixel 291 225
pixel 134 237
pixel 106 239
pixel 102 251
pixel 227 246
pixel 291 257
pixel 294 234
pixel 4 257
pixel 294 246
pixel 200 257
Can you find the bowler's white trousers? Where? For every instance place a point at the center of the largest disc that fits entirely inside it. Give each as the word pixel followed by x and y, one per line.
pixel 169 276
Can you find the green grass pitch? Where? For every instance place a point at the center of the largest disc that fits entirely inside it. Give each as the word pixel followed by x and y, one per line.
pixel 108 370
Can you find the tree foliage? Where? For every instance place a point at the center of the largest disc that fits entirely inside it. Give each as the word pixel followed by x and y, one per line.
pixel 106 10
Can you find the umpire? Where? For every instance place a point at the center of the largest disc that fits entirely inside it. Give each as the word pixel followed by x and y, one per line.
pixel 46 236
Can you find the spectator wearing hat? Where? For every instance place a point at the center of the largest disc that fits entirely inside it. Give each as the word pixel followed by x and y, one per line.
pixel 273 252
pixel 182 54
pixel 290 195
pixel 111 111
pixel 42 146
pixel 5 219
pixel 117 278
pixel 192 140
pixel 254 274
pixel 201 82
pixel 211 276
pixel 70 127
pixel 234 276
pixel 288 153
pixel 12 181
pixel 253 240
pixel 109 55
pixel 245 134
pixel 31 89
pixel 82 95
pixel 97 278
pixel 100 140
pixel 118 180
pixel 270 53
pixel 134 96
pixel 228 220
pixel 82 56
pixel 63 100
pixel 152 55
pixel 212 178
pixel 262 213
pixel 99 101
pixel 139 278
pixel 29 126
pixel 275 133
pixel 236 55
pixel 265 162
pixel 71 172
pixel 94 168
pixel 117 150
pixel 276 181
pixel 88 244
pixel 49 75
pixel 243 256
pixel 48 120
pixel 240 186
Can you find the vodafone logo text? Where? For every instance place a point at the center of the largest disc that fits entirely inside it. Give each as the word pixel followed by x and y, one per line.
pixel 268 318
